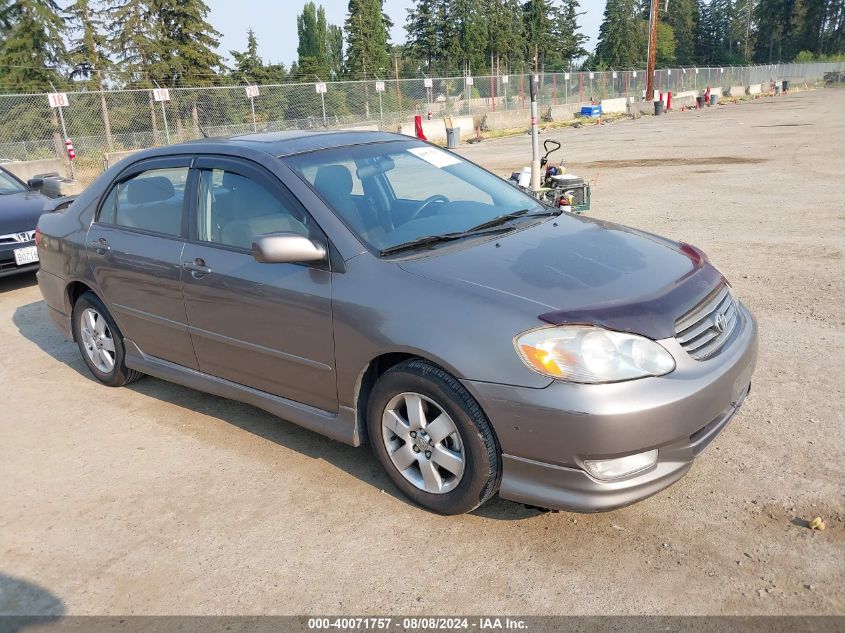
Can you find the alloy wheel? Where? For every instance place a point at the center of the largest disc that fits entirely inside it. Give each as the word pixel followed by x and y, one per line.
pixel 423 442
pixel 97 340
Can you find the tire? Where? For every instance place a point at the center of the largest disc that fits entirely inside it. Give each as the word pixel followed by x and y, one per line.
pixel 425 467
pixel 99 339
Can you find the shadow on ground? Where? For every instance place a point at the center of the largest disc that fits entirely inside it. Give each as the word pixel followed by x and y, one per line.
pixel 33 323
pixel 16 282
pixel 20 600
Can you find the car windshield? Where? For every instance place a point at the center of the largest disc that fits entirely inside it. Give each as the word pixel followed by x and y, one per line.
pixel 395 193
pixel 8 184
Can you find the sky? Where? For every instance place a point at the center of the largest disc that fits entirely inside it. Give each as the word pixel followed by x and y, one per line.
pixel 274 23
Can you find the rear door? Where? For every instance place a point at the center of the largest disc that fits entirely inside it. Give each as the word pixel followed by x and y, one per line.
pixel 135 252
pixel 267 326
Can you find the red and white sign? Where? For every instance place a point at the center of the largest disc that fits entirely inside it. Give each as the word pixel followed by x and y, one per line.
pixel 379 86
pixel 71 153
pixel 161 94
pixel 320 87
pixel 252 92
pixel 57 99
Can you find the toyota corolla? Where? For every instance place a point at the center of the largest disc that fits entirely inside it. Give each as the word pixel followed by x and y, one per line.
pixel 381 290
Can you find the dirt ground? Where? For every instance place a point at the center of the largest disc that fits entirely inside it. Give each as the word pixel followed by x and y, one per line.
pixel 156 499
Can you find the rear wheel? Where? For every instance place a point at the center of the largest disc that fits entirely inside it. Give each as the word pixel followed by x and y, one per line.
pixel 100 342
pixel 432 438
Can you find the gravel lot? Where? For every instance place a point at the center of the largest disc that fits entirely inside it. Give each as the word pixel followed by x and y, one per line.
pixel 156 499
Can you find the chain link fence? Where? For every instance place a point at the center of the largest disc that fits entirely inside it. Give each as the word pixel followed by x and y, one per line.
pixel 122 120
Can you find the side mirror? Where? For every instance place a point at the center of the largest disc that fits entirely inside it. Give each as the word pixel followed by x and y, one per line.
pixel 35 183
pixel 286 248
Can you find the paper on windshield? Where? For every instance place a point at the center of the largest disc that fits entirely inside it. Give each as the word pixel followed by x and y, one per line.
pixel 434 156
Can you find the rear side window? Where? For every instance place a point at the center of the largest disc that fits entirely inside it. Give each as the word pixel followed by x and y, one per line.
pixel 149 201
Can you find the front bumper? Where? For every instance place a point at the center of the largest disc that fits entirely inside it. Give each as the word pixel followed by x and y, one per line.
pixel 7 260
pixel 545 434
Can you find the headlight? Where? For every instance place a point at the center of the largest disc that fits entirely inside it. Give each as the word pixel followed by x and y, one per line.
pixel 591 354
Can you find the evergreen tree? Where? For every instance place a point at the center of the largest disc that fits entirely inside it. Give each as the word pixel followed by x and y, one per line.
pixel 682 16
pixel 248 65
pixel 540 22
pixel 620 36
pixel 32 46
pixel 88 53
pixel 465 41
pixel 334 49
pixel 424 31
pixel 569 42
pixel 505 33
pixel 132 40
pixel 366 29
pixel 320 47
pixel 185 44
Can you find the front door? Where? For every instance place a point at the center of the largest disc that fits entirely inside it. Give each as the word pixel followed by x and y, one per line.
pixel 266 326
pixel 135 252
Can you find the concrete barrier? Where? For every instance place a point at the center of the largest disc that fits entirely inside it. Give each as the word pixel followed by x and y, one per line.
pixel 614 106
pixel 26 169
pixel 737 91
pixel 110 158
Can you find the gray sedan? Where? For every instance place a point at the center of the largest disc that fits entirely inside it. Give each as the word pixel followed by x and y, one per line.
pixel 378 289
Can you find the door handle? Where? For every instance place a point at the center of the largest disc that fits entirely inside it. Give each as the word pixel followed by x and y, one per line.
pixel 101 246
pixel 196 267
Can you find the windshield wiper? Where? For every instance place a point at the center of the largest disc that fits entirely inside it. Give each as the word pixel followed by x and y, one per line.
pixel 507 217
pixel 427 240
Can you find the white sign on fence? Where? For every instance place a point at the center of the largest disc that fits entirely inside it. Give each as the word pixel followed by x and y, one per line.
pixel 635 74
pixel 469 81
pixel 505 79
pixel 161 94
pixel 379 86
pixel 685 70
pixel 57 99
pixel 252 92
pixel 591 75
pixel 428 83
pixel 696 71
pixel 669 70
pixel 320 87
pixel 615 75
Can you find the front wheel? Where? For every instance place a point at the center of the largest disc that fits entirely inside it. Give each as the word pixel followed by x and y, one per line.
pixel 433 439
pixel 100 342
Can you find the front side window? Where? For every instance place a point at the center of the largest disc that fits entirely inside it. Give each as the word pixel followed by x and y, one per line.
pixel 400 191
pixel 149 201
pixel 8 184
pixel 234 209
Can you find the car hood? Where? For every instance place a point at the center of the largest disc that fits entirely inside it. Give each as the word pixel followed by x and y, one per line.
pixel 574 270
pixel 20 211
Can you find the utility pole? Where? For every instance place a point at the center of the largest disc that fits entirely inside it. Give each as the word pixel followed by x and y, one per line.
pixel 748 28
pixel 654 14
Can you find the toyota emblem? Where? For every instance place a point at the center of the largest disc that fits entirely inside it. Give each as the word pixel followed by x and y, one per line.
pixel 720 323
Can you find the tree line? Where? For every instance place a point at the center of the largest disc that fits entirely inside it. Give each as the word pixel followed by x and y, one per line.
pixel 92 44
pixel 721 32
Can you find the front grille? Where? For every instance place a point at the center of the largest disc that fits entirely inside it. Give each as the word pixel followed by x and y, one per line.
pixel 705 329
pixel 17 238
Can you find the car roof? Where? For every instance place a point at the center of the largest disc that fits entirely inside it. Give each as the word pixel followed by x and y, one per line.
pixel 298 141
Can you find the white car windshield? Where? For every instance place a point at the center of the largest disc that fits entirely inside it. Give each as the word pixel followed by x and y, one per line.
pixel 397 192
